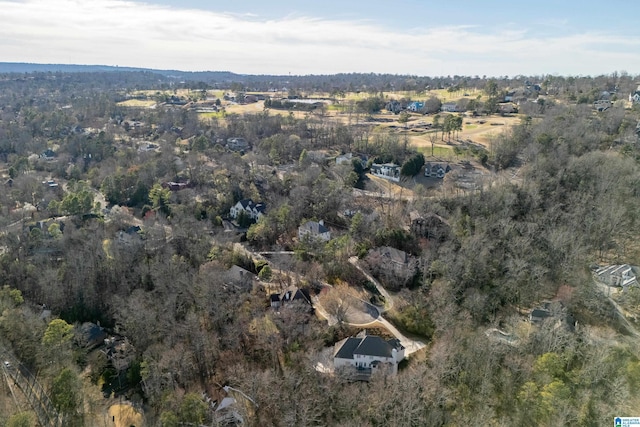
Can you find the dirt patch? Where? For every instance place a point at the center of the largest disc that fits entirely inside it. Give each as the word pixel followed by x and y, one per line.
pixel 122 415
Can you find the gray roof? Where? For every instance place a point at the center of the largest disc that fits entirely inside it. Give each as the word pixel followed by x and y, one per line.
pixel 395 255
pixel 370 345
pixel 347 349
pixel 248 203
pixel 374 346
pixel 315 227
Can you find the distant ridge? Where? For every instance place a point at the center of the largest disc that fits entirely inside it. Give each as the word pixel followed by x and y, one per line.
pixel 24 67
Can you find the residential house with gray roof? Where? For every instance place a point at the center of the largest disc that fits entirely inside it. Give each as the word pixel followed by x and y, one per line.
pixel 368 354
pixel 314 231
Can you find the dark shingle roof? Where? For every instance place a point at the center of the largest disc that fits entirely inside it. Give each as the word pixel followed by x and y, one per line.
pixel 315 227
pixel 370 345
pixel 346 351
pixel 373 346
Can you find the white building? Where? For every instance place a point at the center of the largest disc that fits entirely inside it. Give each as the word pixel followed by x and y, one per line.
pixel 617 275
pixel 253 210
pixel 389 171
pixel 314 231
pixel 368 354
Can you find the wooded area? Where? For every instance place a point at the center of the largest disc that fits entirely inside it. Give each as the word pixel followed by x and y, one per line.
pixel 99 230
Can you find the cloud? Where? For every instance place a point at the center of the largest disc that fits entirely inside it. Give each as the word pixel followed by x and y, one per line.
pixel 127 33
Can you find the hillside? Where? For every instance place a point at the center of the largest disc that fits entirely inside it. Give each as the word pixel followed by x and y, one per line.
pixel 194 251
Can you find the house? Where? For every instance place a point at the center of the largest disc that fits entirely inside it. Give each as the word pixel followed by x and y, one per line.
pixel 148 146
pixel 617 276
pixel 449 107
pixel 538 315
pixel 436 170
pixel 431 226
pixel 51 183
pixel 554 312
pixel 131 236
pixel 395 268
pixel 291 295
pixel 314 231
pixel 250 99
pixel 90 335
pixel 508 108
pixel 344 159
pixel 602 105
pixel 389 171
pixel 295 294
pixel 415 106
pixel 509 97
pixel 394 106
pixel 394 258
pixel 251 209
pixel 175 186
pixel 274 301
pixel 634 97
pixel 368 354
pixel 237 144
pixel 240 278
pixel 48 154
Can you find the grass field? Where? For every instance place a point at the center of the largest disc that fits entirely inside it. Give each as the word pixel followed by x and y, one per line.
pixel 438 151
pixel 138 103
pixel 211 115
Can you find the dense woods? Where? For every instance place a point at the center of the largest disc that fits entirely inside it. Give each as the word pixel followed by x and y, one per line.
pixel 98 234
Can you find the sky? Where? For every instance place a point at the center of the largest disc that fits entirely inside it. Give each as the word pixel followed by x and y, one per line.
pixel 426 38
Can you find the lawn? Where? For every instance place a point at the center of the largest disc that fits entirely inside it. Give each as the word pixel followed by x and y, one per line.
pixel 211 115
pixel 138 103
pixel 438 151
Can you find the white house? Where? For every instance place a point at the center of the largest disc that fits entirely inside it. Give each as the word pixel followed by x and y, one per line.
pixel 617 275
pixel 314 231
pixel 253 210
pixel 368 354
pixel 344 159
pixel 389 171
pixel 450 107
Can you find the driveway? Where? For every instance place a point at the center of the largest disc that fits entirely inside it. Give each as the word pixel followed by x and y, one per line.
pixel 388 305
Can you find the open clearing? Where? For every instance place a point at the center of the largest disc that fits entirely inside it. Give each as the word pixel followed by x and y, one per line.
pixel 124 416
pixel 138 103
pixel 481 130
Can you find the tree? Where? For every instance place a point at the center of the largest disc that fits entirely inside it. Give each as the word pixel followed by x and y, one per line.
pixel 338 301
pixel 432 105
pixel 265 273
pixel 66 393
pixel 22 419
pixel 244 220
pixel 78 201
pixel 169 419
pixel 193 409
pixel 413 165
pixel 304 161
pixel 57 333
pixel 159 197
